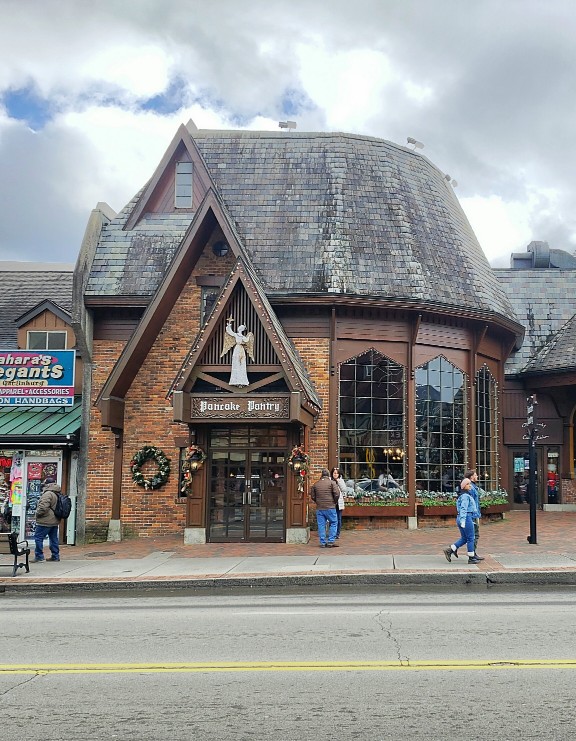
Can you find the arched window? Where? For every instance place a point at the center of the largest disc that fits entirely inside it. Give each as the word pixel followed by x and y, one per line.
pixel 372 403
pixel 440 426
pixel 487 434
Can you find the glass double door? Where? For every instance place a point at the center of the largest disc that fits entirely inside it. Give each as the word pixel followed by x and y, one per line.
pixel 247 495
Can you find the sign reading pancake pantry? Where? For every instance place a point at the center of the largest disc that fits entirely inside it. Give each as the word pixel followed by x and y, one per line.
pixel 240 407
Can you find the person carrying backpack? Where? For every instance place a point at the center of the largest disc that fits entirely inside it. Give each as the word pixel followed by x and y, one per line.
pixel 49 512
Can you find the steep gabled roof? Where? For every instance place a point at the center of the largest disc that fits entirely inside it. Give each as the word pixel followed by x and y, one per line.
pixel 45 305
pixel 543 301
pixel 21 284
pixel 207 218
pixel 558 354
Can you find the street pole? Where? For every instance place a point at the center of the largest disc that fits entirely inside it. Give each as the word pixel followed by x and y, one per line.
pixel 532 436
pixel 532 486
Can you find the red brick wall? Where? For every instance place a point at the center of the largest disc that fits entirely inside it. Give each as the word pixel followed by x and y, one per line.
pixel 568 491
pixel 316 356
pixel 148 421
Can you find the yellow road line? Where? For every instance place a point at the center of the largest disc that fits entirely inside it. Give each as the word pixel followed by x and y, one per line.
pixel 287 666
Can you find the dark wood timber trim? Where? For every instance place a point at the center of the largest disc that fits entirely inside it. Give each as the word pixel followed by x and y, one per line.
pixel 472 364
pixel 117 474
pixel 433 308
pixel 105 302
pixel 333 396
pixel 112 411
pixel 214 281
pixel 411 422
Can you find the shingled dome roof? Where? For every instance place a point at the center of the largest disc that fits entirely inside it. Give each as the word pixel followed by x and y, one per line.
pixel 322 213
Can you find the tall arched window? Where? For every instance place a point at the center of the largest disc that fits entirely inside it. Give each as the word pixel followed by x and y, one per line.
pixel 487 433
pixel 440 425
pixel 372 402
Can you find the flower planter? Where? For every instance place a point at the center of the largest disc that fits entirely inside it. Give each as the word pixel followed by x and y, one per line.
pixel 400 510
pixel 493 509
pixel 447 510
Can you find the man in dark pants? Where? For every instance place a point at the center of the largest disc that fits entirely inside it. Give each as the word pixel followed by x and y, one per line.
pixel 47 523
pixel 324 494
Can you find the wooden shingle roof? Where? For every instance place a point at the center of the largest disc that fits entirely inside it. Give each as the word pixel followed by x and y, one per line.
pixel 23 285
pixel 319 214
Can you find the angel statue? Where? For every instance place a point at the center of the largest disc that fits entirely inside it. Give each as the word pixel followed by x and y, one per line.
pixel 242 344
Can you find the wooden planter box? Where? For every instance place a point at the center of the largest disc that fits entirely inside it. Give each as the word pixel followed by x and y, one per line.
pixel 447 510
pixel 494 509
pixel 401 510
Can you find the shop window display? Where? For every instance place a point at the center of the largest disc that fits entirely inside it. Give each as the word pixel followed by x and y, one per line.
pixel 487 434
pixel 372 422
pixel 440 426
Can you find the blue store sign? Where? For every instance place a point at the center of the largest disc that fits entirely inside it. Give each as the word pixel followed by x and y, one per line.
pixel 37 377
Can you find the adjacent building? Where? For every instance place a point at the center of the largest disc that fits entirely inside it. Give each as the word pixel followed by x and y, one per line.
pixel 40 391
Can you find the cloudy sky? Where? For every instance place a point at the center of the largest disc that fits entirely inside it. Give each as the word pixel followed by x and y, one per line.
pixel 91 94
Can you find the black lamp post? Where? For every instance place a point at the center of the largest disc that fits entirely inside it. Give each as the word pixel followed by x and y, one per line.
pixel 531 429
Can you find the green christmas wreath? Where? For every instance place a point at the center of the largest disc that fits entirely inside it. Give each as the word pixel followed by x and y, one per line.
pixel 150 453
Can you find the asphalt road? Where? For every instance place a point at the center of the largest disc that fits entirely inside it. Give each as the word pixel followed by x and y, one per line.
pixel 356 664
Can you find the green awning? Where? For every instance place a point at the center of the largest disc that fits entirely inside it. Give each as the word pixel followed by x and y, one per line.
pixel 21 425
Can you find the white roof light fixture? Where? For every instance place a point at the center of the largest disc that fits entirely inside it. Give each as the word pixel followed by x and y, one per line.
pixel 416 144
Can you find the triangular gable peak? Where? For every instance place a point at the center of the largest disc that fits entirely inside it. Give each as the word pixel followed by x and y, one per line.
pixel 272 364
pixel 179 183
pixel 45 305
pixel 210 218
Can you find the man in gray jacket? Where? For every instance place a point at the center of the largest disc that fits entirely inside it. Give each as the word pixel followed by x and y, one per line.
pixel 325 494
pixel 47 523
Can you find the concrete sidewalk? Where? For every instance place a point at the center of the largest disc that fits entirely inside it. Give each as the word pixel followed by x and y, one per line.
pixel 386 557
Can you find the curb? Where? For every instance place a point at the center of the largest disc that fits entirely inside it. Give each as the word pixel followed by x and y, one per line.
pixel 388 579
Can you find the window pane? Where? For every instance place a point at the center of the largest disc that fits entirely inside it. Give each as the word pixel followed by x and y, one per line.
pixel 372 420
pixel 487 436
pixel 440 426
pixel 56 340
pixel 37 340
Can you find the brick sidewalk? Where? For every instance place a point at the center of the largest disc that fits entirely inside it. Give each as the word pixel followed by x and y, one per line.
pixel 556 533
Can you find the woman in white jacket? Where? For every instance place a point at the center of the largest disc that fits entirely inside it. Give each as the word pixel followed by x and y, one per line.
pixel 335 474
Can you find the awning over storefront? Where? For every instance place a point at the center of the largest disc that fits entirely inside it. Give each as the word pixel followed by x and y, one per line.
pixel 22 426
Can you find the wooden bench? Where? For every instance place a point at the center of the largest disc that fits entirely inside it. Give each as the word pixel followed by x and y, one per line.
pixel 9 546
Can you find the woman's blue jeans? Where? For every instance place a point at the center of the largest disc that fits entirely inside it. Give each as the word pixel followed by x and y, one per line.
pixel 466 534
pixel 339 525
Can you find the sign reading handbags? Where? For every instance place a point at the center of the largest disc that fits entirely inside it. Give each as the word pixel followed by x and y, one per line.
pixel 37 377
pixel 240 407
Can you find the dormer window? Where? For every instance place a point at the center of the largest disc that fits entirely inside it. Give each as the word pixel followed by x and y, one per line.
pixel 46 341
pixel 183 188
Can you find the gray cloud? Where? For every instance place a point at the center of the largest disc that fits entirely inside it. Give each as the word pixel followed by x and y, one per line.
pixel 498 115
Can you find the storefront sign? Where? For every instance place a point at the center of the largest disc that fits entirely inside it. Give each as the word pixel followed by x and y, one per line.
pixel 240 407
pixel 37 378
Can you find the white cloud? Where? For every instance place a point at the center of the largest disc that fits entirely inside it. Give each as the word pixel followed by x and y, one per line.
pixel 501 227
pixel 493 106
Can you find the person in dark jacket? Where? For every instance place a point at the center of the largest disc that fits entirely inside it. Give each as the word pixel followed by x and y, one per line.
pixel 47 523
pixel 324 494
